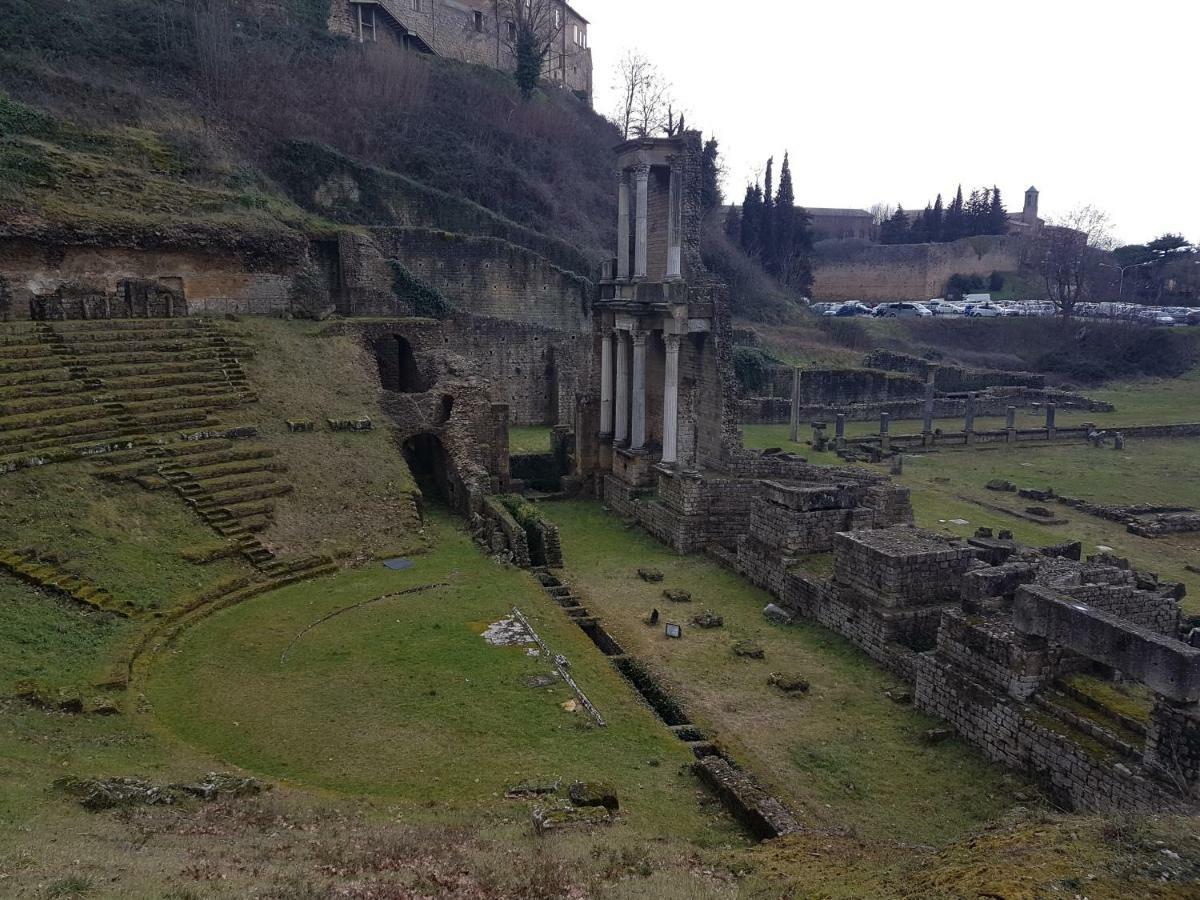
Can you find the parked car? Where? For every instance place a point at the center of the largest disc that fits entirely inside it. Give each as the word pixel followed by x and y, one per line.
pixel 940 307
pixel 853 308
pixel 1164 319
pixel 986 310
pixel 901 311
pixel 1193 318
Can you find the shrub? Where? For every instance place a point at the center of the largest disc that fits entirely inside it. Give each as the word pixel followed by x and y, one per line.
pixel 752 366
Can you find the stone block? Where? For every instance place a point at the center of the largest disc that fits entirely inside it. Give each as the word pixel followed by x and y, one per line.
pixel 1165 665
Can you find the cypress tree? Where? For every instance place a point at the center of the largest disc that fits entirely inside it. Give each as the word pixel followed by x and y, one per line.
pixel 784 230
pixel 766 236
pixel 752 209
pixel 998 217
pixel 936 216
pixel 954 226
pixel 710 175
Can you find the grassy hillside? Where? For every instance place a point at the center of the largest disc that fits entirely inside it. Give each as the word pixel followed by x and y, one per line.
pixel 176 110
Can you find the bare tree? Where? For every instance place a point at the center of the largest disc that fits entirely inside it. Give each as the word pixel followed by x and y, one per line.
pixel 1067 252
pixel 881 212
pixel 529 31
pixel 645 105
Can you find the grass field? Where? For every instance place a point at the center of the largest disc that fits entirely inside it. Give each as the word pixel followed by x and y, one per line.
pixel 845 754
pixel 404 701
pixel 529 439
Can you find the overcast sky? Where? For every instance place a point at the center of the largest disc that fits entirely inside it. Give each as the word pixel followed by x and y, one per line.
pixel 1091 102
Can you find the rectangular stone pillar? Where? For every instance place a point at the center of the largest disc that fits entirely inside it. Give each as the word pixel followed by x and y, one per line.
pixel 675 227
pixel 927 424
pixel 642 220
pixel 623 268
pixel 885 425
pixel 795 433
pixel 839 430
pixel 606 385
pixel 621 434
pixel 637 439
pixel 670 428
pixel 969 424
pixel 1010 425
pixel 1050 429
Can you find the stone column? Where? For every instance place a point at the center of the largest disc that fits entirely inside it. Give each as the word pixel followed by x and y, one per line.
pixel 606 385
pixel 1050 429
pixel 637 440
pixel 670 430
pixel 1010 424
pixel 675 227
pixel 927 425
pixel 795 434
pixel 641 216
pixel 622 412
pixel 1119 441
pixel 839 430
pixel 623 270
pixel 885 425
pixel 969 424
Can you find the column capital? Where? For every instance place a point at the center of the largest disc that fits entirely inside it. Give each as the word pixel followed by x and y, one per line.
pixel 672 342
pixel 639 337
pixel 622 176
pixel 641 171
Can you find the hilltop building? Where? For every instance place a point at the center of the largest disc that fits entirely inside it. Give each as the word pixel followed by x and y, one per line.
pixel 474 31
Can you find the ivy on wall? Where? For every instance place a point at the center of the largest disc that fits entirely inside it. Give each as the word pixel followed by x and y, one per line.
pixel 426 301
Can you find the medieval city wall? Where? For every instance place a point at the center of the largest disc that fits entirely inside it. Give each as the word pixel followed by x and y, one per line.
pixel 856 270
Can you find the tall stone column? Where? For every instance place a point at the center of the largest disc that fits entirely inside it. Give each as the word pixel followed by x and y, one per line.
pixel 623 270
pixel 927 424
pixel 1050 429
pixel 1010 425
pixel 622 427
pixel 606 385
pixel 637 438
pixel 969 424
pixel 670 429
pixel 675 226
pixel 641 220
pixel 794 435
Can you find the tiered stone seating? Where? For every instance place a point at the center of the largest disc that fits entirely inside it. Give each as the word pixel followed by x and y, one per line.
pixel 26 566
pixel 80 388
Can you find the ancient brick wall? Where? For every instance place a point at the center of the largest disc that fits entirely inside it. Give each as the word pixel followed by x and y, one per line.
pixel 835 387
pixel 75 279
pixel 901 566
pixel 490 277
pixel 855 270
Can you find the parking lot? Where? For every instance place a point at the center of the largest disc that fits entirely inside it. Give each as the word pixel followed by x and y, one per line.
pixel 981 306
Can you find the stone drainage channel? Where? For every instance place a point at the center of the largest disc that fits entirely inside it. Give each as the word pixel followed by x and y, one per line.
pixel 760 813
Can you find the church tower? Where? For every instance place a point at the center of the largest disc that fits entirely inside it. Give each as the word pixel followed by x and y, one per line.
pixel 1029 215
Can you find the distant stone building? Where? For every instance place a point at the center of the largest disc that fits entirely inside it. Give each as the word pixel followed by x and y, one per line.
pixel 841 224
pixel 474 31
pixel 1027 222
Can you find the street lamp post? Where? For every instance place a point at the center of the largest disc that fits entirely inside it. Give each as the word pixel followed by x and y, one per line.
pixel 1122 270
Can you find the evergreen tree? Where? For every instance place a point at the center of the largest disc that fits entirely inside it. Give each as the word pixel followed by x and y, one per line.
pixel 783 232
pixel 895 230
pixel 752 210
pixel 953 225
pixel 998 216
pixel 766 237
pixel 710 176
pixel 919 230
pixel 936 216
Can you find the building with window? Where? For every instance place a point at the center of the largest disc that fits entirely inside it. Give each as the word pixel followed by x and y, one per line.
pixel 473 31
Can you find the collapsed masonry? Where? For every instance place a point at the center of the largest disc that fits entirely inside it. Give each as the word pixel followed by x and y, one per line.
pixel 1069 669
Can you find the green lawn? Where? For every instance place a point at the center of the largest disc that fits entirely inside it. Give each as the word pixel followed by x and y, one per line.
pixel 1143 402
pixel 845 755
pixel 404 700
pixel 529 439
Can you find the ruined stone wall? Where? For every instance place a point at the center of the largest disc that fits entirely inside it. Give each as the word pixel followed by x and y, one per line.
pixel 490 277
pixel 836 387
pixel 1012 733
pixel 209 282
pixel 856 270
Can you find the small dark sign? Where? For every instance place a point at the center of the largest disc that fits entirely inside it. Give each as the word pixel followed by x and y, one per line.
pixel 674 631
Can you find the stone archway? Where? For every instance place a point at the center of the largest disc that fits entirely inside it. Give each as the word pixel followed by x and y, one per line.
pixel 430 465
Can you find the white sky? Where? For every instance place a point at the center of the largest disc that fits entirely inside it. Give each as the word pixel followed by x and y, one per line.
pixel 1092 102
